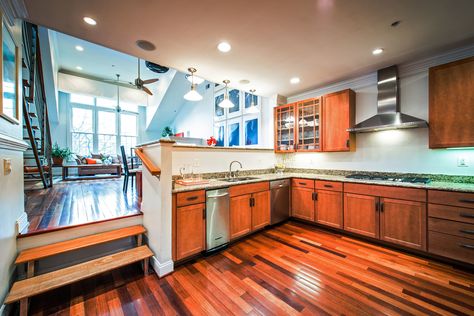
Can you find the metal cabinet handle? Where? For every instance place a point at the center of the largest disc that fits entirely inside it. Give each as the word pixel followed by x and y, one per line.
pixel 466 231
pixel 466 200
pixel 381 207
pixel 466 215
pixel 377 206
pixel 204 213
pixel 328 186
pixel 467 246
pixel 192 198
pixel 217 196
pixel 302 183
pixel 348 142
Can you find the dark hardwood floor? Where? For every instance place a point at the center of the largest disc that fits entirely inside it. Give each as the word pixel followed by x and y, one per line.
pixel 288 270
pixel 72 203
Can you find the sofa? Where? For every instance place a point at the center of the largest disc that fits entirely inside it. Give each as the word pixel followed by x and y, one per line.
pixel 99 167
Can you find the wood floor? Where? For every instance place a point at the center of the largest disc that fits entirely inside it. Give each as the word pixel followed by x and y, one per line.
pixel 72 203
pixel 289 270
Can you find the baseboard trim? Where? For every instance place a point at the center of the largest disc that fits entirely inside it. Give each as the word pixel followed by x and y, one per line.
pixel 22 223
pixel 162 269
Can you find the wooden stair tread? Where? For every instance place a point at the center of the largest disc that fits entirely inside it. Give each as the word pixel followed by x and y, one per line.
pixel 52 280
pixel 78 243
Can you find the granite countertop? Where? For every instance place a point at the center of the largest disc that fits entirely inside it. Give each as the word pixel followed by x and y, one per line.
pixel 436 185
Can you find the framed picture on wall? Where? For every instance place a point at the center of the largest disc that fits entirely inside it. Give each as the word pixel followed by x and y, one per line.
pixel 9 107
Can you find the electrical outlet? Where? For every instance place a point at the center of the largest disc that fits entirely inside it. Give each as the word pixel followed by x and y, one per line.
pixel 463 161
pixel 7 166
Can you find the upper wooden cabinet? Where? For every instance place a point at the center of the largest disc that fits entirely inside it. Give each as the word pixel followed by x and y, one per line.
pixel 338 115
pixel 316 124
pixel 451 104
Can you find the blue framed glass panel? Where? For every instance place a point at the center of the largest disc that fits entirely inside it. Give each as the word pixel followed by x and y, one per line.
pixel 248 99
pixel 217 109
pixel 234 97
pixel 251 132
pixel 220 135
pixel 234 134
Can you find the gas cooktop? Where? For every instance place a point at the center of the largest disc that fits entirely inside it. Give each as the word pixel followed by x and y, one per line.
pixel 387 178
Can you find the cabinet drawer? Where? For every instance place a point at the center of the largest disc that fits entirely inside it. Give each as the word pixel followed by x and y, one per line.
pixel 189 198
pixel 454 247
pixel 304 183
pixel 451 227
pixel 451 198
pixel 250 188
pixel 453 213
pixel 410 194
pixel 328 185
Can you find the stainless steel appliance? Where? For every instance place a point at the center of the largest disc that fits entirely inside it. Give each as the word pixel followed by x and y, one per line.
pixel 388 178
pixel 217 219
pixel 280 201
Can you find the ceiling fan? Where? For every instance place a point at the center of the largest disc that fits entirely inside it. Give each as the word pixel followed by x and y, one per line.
pixel 140 83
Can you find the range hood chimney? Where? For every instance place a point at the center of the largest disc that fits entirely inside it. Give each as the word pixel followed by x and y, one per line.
pixel 388 107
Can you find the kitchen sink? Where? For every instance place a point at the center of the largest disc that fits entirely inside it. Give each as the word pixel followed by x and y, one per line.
pixel 239 179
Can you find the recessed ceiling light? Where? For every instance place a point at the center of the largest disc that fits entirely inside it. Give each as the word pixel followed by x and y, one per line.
pixel 89 20
pixel 78 67
pixel 224 47
pixel 295 80
pixel 79 48
pixel 145 45
pixel 244 81
pixel 377 51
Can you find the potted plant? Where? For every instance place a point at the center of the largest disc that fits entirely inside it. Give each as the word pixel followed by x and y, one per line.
pixel 59 154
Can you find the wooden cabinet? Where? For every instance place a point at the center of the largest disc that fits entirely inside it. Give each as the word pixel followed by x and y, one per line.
pixel 361 214
pixel 190 230
pixel 338 114
pixel 403 222
pixel 249 211
pixel 240 215
pixel 451 225
pixel 451 99
pixel 329 208
pixel 316 124
pixel 308 133
pixel 302 203
pixel 284 125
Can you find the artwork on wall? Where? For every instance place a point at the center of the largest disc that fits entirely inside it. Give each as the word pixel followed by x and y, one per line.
pixel 9 107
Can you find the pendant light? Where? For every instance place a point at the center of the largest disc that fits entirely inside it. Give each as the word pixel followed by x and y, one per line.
pixel 226 103
pixel 253 107
pixel 118 93
pixel 193 95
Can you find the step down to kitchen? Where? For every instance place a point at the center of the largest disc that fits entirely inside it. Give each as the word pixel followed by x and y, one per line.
pixel 41 252
pixel 24 289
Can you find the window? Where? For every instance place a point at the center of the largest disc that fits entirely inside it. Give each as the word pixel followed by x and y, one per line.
pixel 251 131
pixel 96 126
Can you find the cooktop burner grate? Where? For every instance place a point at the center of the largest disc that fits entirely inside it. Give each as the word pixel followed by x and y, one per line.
pixel 387 178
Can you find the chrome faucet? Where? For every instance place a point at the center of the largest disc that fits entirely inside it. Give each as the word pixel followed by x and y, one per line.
pixel 233 174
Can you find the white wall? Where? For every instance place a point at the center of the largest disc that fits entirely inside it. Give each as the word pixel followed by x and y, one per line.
pixel 396 150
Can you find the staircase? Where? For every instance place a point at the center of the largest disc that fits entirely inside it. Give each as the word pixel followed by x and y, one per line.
pixel 36 131
pixel 35 284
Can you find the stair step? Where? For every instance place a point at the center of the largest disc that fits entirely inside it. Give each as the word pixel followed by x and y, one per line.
pixel 78 243
pixel 32 127
pixel 36 138
pixel 52 280
pixel 32 114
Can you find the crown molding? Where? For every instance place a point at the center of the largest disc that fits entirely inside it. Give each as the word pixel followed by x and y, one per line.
pixel 404 70
pixel 12 143
pixel 13 9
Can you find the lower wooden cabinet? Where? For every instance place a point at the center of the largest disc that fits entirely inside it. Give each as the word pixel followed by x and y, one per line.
pixel 190 230
pixel 361 215
pixel 240 215
pixel 329 208
pixel 302 203
pixel 248 213
pixel 403 222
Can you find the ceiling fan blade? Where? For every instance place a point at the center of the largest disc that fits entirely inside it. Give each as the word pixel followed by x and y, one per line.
pixel 147 90
pixel 148 81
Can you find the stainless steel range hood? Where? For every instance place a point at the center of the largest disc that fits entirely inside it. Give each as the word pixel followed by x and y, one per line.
pixel 388 107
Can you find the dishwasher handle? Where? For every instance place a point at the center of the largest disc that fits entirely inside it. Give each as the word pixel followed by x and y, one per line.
pixel 217 196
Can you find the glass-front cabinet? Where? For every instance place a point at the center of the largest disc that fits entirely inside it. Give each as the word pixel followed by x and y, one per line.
pixel 285 135
pixel 308 132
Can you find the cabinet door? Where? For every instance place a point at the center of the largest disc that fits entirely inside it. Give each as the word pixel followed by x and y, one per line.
pixel 284 126
pixel 302 203
pixel 403 222
pixel 190 230
pixel 452 83
pixel 329 208
pixel 260 210
pixel 308 122
pixel 338 115
pixel 240 216
pixel 361 215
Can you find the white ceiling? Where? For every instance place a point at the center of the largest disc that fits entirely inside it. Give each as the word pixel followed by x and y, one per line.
pixel 321 41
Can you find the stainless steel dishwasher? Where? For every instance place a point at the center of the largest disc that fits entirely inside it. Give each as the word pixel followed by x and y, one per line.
pixel 217 219
pixel 280 201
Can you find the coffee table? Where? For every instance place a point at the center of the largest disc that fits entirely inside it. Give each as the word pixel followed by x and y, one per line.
pixel 66 168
